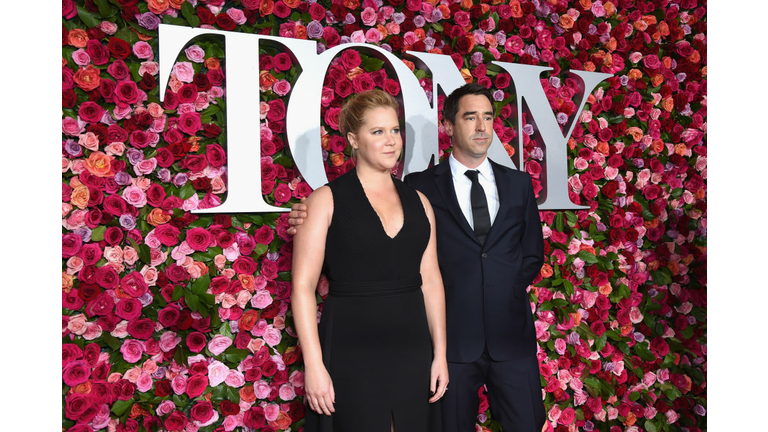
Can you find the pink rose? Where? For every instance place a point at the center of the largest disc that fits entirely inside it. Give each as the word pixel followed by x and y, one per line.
pixel 567 416
pixel 166 407
pixel 132 350
pixel 219 344
pixel 217 373
pixel 168 341
pixel 286 392
pixel 135 196
pixel 235 379
pixel 189 123
pixel 272 336
pixel 143 50
pixel 195 54
pixel 199 239
pixel 133 284
pixel 271 411
pixel 179 384
pixel 262 389
pixel 184 71
pixel 261 300
pixel 144 384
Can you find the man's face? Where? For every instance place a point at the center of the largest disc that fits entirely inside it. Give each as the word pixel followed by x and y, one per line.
pixel 473 130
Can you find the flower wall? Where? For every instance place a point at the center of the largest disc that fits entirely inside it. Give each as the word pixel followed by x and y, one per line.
pixel 175 321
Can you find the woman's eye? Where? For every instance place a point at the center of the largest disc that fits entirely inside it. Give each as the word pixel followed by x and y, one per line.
pixel 377 132
pixel 396 131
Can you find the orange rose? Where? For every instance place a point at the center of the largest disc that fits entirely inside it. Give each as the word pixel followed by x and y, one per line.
pixel 176 4
pixel 157 217
pixel 635 132
pixel 510 150
pixel 635 74
pixel 351 4
pixel 300 32
pixel 668 104
pixel 87 78
pixel 576 318
pixel 201 267
pixel 352 73
pixel 266 80
pixel 517 10
pixel 325 142
pixel 610 9
pixel 546 271
pixel 282 422
pixel 158 6
pixel 603 148
pixel 248 319
pixel 605 289
pixel 383 30
pixel 293 4
pixel 247 281
pixel 589 66
pixel 695 57
pixel 212 63
pixel 656 80
pixel 78 38
pixel 67 281
pixel 266 7
pixel 82 388
pixel 445 10
pixel 657 145
pixel 419 32
pixel 588 248
pixel 410 65
pixel 681 149
pixel 585 4
pixel 99 164
pixel 80 196
pixel 611 45
pixel 246 392
pixel 467 75
pixel 566 21
pixel 337 159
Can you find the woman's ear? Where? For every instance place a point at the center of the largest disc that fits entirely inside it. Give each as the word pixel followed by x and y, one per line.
pixel 352 140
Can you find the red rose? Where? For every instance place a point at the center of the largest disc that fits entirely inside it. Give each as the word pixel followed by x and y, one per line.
pixel 282 193
pixel 211 130
pixel 198 239
pixel 68 98
pixel 659 346
pixel 70 244
pixel 98 53
pixel 126 92
pixel 228 408
pixel 215 77
pixel 167 234
pixel 128 308
pixel 254 417
pixel 133 284
pixel 75 405
pixel 225 22
pixel 90 112
pixel 215 154
pixel 196 385
pixel 176 273
pixel 202 411
pixel 276 110
pixel 119 70
pixel 264 235
pixel 76 372
pixel 244 265
pixel 147 82
pixel 363 83
pixel 196 341
pixel 189 122
pixel 119 48
pixel 201 82
pixel 141 328
pixel 176 421
pixel 101 305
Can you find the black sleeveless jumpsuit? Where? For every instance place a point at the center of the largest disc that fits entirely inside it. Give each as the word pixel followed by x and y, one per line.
pixel 373 331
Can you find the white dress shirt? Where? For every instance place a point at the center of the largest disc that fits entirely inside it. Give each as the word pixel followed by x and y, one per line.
pixel 463 185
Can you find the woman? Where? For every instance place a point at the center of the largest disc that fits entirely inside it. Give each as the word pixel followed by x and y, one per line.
pixel 378 359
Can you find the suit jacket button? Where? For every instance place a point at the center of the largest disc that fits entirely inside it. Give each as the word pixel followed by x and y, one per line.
pixel 484 255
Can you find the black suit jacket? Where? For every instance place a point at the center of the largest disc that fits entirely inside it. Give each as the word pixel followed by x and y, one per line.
pixel 485 286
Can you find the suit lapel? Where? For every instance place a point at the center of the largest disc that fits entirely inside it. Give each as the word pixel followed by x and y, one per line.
pixel 444 182
pixel 505 193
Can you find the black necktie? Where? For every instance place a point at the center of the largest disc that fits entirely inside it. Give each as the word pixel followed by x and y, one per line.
pixel 480 214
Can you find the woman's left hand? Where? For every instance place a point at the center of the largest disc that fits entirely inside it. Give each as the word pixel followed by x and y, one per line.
pixel 438 380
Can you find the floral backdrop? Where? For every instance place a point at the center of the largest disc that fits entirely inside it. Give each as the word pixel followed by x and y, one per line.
pixel 175 321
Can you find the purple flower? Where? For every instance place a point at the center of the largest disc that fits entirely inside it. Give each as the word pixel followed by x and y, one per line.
pixel 73 148
pixel 562 118
pixel 528 129
pixel 180 179
pixel 419 21
pixel 498 95
pixel 134 155
pixel 164 175
pixel 699 410
pixel 609 367
pixel 639 337
pixel 574 338
pixel 476 58
pixel 624 80
pixel 314 30
pixel 554 82
pixel 148 20
pixel 84 233
pixel 123 178
pixel 349 19
pixel 399 17
pixel 589 426
pixel 127 221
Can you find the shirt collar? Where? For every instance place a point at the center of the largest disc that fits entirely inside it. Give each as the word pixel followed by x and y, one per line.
pixel 458 169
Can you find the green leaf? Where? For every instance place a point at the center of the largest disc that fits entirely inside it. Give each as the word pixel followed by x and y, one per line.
pixel 604 264
pixel 558 302
pixel 260 249
pixel 559 222
pixel 208 299
pixel 587 257
pixel 201 284
pixel 192 301
pixel 178 292
pixel 663 276
pixel 568 287
pixel 644 352
pixel 180 358
pixel 121 406
pixel 104 9
pixel 232 395
pixel 634 396
pixel 112 341
pixel 235 355
pixel 572 218
pixel 371 64
pixel 187 190
pixel 145 254
pixel 88 18
pixel 649 426
pixel 601 341
pixel 98 233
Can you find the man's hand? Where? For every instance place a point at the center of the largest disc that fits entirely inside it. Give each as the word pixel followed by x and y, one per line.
pixel 297 215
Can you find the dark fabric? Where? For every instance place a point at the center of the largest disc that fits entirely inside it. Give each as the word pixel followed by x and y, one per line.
pixel 487 307
pixel 514 393
pixel 373 331
pixel 481 218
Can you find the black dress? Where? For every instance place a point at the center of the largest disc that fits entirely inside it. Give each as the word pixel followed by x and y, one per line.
pixel 373 331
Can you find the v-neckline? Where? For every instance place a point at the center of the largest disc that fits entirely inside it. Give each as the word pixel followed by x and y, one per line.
pixel 370 206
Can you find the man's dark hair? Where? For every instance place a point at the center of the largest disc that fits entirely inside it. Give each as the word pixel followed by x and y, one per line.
pixel 451 104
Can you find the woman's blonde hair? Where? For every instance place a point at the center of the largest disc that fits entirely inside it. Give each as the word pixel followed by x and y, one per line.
pixel 352 114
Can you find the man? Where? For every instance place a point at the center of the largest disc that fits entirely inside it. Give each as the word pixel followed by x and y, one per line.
pixel 490 248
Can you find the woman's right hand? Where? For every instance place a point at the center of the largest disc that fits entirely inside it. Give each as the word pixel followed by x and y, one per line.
pixel 319 389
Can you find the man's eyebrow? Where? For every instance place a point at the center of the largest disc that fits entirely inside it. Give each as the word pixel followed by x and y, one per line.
pixel 468 113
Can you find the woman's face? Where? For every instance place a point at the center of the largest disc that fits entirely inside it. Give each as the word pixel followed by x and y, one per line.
pixel 378 142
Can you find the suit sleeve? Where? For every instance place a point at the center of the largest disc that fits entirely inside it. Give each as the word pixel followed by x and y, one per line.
pixel 533 239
